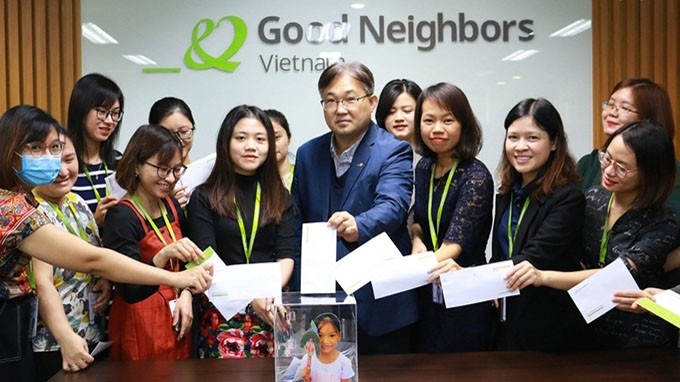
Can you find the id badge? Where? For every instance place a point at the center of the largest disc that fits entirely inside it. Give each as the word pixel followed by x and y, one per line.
pixel 91 301
pixel 172 304
pixel 437 293
pixel 33 317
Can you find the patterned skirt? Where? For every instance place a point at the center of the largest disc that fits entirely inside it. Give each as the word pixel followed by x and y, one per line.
pixel 241 336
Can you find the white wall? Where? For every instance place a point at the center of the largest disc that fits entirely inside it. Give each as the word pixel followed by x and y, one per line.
pixel 161 30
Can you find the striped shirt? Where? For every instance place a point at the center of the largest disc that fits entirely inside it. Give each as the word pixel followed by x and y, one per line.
pixel 85 189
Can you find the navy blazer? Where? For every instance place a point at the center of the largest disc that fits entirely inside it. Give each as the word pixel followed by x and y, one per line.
pixel 377 192
pixel 549 237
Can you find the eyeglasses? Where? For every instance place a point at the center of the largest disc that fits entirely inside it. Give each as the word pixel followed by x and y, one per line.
pixel 605 161
pixel 185 133
pixel 349 103
pixel 102 114
pixel 611 106
pixel 38 148
pixel 164 172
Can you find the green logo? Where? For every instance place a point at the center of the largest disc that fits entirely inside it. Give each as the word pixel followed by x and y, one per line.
pixel 205 60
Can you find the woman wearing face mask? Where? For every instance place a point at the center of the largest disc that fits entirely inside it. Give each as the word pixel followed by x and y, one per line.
pixel 175 115
pixel 147 225
pixel 282 138
pixel 68 301
pixel 625 219
pixel 95 112
pixel 245 213
pixel 31 156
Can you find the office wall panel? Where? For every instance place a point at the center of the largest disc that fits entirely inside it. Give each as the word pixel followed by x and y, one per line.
pixel 635 38
pixel 40 57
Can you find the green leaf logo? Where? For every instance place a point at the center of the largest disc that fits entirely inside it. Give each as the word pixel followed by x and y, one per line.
pixel 205 60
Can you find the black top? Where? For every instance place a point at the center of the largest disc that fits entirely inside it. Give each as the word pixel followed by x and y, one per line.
pixel 466 215
pixel 645 237
pixel 272 241
pixel 549 237
pixel 123 233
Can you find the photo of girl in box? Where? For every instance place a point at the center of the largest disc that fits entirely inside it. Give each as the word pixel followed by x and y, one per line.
pixel 453 204
pixel 147 225
pixel 323 362
pixel 244 212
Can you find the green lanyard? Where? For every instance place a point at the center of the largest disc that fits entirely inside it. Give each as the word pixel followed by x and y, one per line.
pixel 67 224
pixel 290 179
pixel 605 233
pixel 248 248
pixel 139 205
pixel 89 179
pixel 434 231
pixel 513 235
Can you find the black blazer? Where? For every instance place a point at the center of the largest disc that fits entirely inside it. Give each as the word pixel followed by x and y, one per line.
pixel 549 237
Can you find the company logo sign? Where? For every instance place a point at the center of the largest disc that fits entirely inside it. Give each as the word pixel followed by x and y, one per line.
pixel 197 58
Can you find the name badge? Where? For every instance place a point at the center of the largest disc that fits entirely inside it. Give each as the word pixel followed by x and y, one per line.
pixel 33 317
pixel 437 293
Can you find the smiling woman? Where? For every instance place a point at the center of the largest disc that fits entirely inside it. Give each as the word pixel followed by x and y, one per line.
pixel 147 225
pixel 245 213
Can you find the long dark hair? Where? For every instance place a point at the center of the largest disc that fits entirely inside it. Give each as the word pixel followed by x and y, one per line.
pixel 450 97
pixel 221 186
pixel 655 157
pixel 560 169
pixel 91 91
pixel 389 95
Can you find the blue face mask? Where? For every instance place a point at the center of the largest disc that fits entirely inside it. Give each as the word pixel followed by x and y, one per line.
pixel 39 171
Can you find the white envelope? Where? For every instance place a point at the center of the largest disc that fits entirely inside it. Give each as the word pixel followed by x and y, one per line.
pixel 403 273
pixel 593 296
pixel 476 284
pixel 356 269
pixel 318 254
pixel 197 172
pixel 114 188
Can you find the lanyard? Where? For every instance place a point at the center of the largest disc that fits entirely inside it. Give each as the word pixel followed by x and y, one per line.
pixel 139 206
pixel 248 248
pixel 513 235
pixel 290 179
pixel 605 232
pixel 89 179
pixel 60 215
pixel 434 231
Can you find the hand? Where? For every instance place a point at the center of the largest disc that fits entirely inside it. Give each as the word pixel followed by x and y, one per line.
pixel 627 300
pixel 183 249
pixel 196 279
pixel 102 207
pixel 264 308
pixel 522 275
pixel 418 246
pixel 180 193
pixel 447 265
pixel 346 226
pixel 306 374
pixel 183 314
pixel 75 355
pixel 103 288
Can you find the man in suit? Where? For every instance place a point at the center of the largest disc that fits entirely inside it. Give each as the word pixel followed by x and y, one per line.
pixel 359 179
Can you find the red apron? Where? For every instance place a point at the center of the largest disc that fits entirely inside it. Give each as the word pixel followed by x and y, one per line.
pixel 143 330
